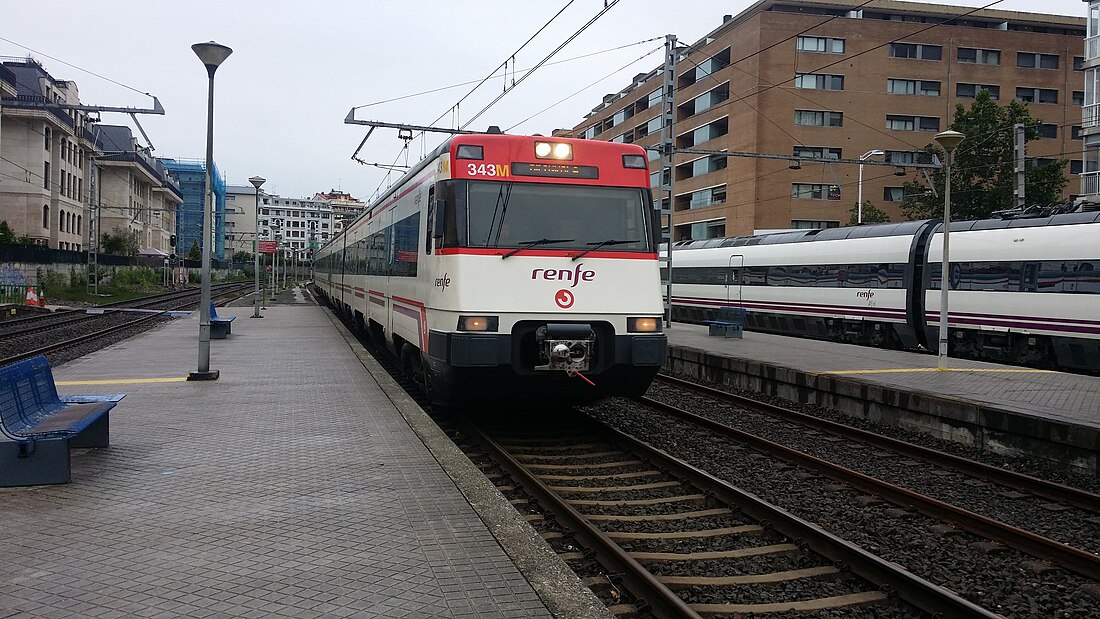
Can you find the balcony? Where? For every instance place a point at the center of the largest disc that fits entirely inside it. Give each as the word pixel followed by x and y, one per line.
pixel 1090 116
pixel 1092 47
pixel 1090 183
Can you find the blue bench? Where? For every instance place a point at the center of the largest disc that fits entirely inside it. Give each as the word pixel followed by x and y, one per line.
pixel 220 326
pixel 37 427
pixel 730 322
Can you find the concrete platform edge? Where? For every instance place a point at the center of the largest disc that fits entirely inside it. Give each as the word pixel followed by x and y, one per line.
pixel 555 583
pixel 992 429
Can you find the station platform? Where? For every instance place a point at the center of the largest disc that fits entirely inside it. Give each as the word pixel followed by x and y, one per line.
pixel 301 483
pixel 1011 410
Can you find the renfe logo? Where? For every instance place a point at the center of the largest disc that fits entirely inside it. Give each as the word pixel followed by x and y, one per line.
pixel 865 294
pixel 565 275
pixel 442 282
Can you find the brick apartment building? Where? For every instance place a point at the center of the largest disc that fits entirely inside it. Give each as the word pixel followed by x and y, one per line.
pixel 816 80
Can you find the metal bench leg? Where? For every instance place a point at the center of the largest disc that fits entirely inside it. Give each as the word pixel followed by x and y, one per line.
pixel 95 435
pixel 47 463
pixel 218 330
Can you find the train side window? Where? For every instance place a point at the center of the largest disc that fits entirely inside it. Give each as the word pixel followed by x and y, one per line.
pixel 429 226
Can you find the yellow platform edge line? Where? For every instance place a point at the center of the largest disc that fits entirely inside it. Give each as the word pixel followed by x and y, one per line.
pixel 121 381
pixel 971 370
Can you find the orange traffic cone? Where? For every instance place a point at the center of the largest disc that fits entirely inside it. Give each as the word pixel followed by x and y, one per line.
pixel 32 297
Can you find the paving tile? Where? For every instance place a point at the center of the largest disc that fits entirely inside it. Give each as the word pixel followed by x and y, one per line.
pixel 288 487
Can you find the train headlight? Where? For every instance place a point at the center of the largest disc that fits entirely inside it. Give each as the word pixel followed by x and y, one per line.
pixel 558 150
pixel 477 323
pixel 643 325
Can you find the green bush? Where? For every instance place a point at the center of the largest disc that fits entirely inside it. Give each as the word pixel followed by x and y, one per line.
pixel 135 277
pixel 194 277
pixel 77 279
pixel 53 283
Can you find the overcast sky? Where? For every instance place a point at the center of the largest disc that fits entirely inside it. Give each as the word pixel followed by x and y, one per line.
pixel 297 69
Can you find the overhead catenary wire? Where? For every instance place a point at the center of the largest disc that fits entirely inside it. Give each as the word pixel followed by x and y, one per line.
pixel 78 68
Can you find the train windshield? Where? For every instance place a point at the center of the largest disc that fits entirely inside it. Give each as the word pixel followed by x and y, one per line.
pixel 495 214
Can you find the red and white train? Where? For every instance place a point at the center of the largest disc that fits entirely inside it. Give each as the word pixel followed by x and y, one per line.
pixel 506 266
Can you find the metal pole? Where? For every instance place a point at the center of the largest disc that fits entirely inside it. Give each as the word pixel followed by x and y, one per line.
pixel 211 55
pixel 945 266
pixel 256 181
pixel 948 140
pixel 859 196
pixel 1020 152
pixel 668 105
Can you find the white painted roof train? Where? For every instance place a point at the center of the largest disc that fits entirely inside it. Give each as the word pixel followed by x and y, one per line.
pixel 510 267
pixel 1022 291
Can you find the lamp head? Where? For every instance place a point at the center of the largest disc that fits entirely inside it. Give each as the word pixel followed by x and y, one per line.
pixel 211 54
pixel 949 139
pixel 257 181
pixel 872 153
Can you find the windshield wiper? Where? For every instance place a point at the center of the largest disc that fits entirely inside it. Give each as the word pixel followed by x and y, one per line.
pixel 530 244
pixel 596 246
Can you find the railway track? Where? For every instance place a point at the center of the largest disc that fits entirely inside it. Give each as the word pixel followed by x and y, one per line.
pixel 686 543
pixel 1082 558
pixel 71 334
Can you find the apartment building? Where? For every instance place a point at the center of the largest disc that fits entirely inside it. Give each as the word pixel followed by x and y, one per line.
pixel 345 207
pixel 135 193
pixel 47 150
pixel 298 225
pixel 240 217
pixel 191 174
pixel 1090 113
pixel 815 80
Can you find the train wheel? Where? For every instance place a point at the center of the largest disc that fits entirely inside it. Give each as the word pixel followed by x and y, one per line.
pixel 412 365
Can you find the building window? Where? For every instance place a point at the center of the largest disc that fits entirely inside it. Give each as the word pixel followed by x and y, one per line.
pixel 707 197
pixel 916 51
pixel 709 229
pixel 816 152
pixel 1075 132
pixel 46 175
pixel 976 55
pixel 813 118
pixel 1076 166
pixel 703 102
pixel 815 191
pixel 1047 130
pixel 1078 63
pixel 969 91
pixel 908 157
pixel 1029 60
pixel 79 223
pixel 1078 97
pixel 708 67
pixel 1037 95
pixel 809 224
pixel 46 216
pixel 702 134
pixel 820 44
pixel 912 87
pixel 702 166
pixel 46 135
pixel 893 194
pixel 819 81
pixel 912 123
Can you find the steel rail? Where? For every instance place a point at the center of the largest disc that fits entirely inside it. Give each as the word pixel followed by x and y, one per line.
pixel 1017 481
pixel 1071 558
pixel 84 338
pixel 910 587
pixel 661 600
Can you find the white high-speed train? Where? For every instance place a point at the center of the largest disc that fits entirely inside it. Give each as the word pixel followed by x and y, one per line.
pixel 1023 291
pixel 510 266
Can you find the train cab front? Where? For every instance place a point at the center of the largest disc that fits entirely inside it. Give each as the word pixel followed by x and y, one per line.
pixel 547 361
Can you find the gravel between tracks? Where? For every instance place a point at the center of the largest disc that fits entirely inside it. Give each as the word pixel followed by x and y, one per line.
pixel 1000 579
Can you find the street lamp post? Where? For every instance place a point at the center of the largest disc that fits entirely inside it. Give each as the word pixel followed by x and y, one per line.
pixel 256 181
pixel 212 55
pixel 948 140
pixel 859 197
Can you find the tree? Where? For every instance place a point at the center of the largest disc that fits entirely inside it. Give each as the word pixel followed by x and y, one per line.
pixel 982 175
pixel 242 256
pixel 871 214
pixel 194 253
pixel 7 235
pixel 121 242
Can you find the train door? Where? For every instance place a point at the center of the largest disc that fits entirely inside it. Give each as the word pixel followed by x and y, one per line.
pixel 733 280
